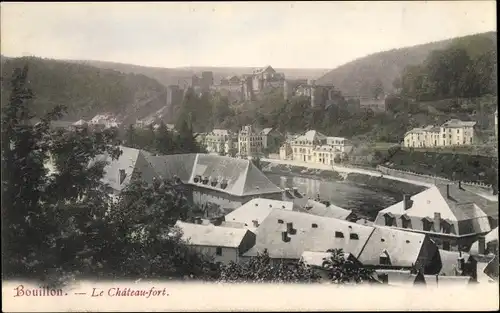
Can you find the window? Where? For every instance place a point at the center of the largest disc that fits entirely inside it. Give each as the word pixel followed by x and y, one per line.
pixel 406 222
pixel 427 225
pixel 218 251
pixel 353 236
pixel 389 220
pixel 280 221
pixel 339 234
pixel 314 225
pixel 384 260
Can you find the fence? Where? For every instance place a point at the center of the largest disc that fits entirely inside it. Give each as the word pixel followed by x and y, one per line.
pixel 426 178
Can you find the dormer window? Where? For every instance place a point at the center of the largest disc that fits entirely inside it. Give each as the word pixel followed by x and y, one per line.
pixel 446 226
pixel 339 234
pixel 197 179
pixel 353 236
pixel 427 224
pixel 389 219
pixel 314 225
pixel 405 221
pixel 384 258
pixel 205 180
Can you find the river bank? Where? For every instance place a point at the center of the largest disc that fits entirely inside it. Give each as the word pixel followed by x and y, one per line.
pixel 396 187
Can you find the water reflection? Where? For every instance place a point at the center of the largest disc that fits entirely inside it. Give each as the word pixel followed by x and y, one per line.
pixel 359 198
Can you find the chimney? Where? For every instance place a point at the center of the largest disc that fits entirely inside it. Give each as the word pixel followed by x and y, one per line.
pixel 122 175
pixel 284 236
pixel 405 202
pixel 289 227
pixel 460 185
pixel 481 244
pixel 255 223
pixel 448 191
pixel 437 222
pixel 197 220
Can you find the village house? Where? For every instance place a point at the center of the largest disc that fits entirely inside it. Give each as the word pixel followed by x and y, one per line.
pixel 287 234
pixel 250 142
pixel 314 147
pixel 452 133
pixel 319 95
pixel 303 146
pixel 450 215
pixel 221 141
pixel 223 244
pixel 104 121
pixel 224 182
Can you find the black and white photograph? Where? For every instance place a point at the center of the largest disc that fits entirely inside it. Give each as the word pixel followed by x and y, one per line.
pixel 167 155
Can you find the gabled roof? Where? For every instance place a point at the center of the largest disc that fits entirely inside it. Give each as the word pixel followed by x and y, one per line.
pixel 132 161
pixel 266 131
pixel 458 123
pixel 210 235
pixel 242 177
pixel 403 248
pixel 320 209
pixel 311 135
pixel 313 233
pixel 460 208
pixel 256 210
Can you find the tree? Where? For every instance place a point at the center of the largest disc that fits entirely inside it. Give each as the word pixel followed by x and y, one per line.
pixel 261 269
pixel 42 211
pixel 343 271
pixel 185 140
pixel 130 136
pixel 337 159
pixel 222 148
pixel 164 140
pixel 377 88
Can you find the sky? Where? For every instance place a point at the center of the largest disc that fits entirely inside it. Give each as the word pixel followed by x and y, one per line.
pixel 255 34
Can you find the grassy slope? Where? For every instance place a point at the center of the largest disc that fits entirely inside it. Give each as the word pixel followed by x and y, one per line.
pixel 86 90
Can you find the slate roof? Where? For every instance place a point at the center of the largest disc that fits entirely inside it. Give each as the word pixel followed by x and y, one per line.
pixel 458 123
pixel 242 177
pixel 320 209
pixel 256 209
pixel 306 238
pixel 266 131
pixel 405 279
pixel 311 135
pixel 210 235
pixel 461 210
pixel 402 247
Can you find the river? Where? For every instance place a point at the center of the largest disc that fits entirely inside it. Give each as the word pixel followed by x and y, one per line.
pixel 357 197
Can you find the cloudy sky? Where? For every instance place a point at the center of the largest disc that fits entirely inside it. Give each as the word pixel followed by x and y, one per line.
pixel 281 34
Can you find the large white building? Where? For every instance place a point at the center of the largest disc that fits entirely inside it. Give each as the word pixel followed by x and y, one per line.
pixel 452 133
pixel 314 147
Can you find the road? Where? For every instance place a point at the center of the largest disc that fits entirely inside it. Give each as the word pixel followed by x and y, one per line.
pixel 342 169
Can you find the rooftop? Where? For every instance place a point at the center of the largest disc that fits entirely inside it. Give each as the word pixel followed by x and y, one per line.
pixel 320 209
pixel 458 123
pixel 256 210
pixel 210 235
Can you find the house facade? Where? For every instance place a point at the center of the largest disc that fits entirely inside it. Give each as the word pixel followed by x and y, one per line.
pixel 314 147
pixel 452 133
pixel 250 142
pixel 220 181
pixel 223 244
pixel 220 141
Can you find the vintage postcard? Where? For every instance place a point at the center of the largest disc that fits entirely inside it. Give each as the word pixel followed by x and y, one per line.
pixel 245 156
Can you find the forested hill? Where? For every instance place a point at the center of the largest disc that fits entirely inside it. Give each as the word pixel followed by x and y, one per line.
pixel 85 90
pixel 357 77
pixel 182 75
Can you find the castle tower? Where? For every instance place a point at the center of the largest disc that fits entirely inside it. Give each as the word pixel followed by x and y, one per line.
pixel 312 86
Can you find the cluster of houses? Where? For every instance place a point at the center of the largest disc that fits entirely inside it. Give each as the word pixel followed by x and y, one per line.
pixel 314 147
pixel 452 133
pixel 442 235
